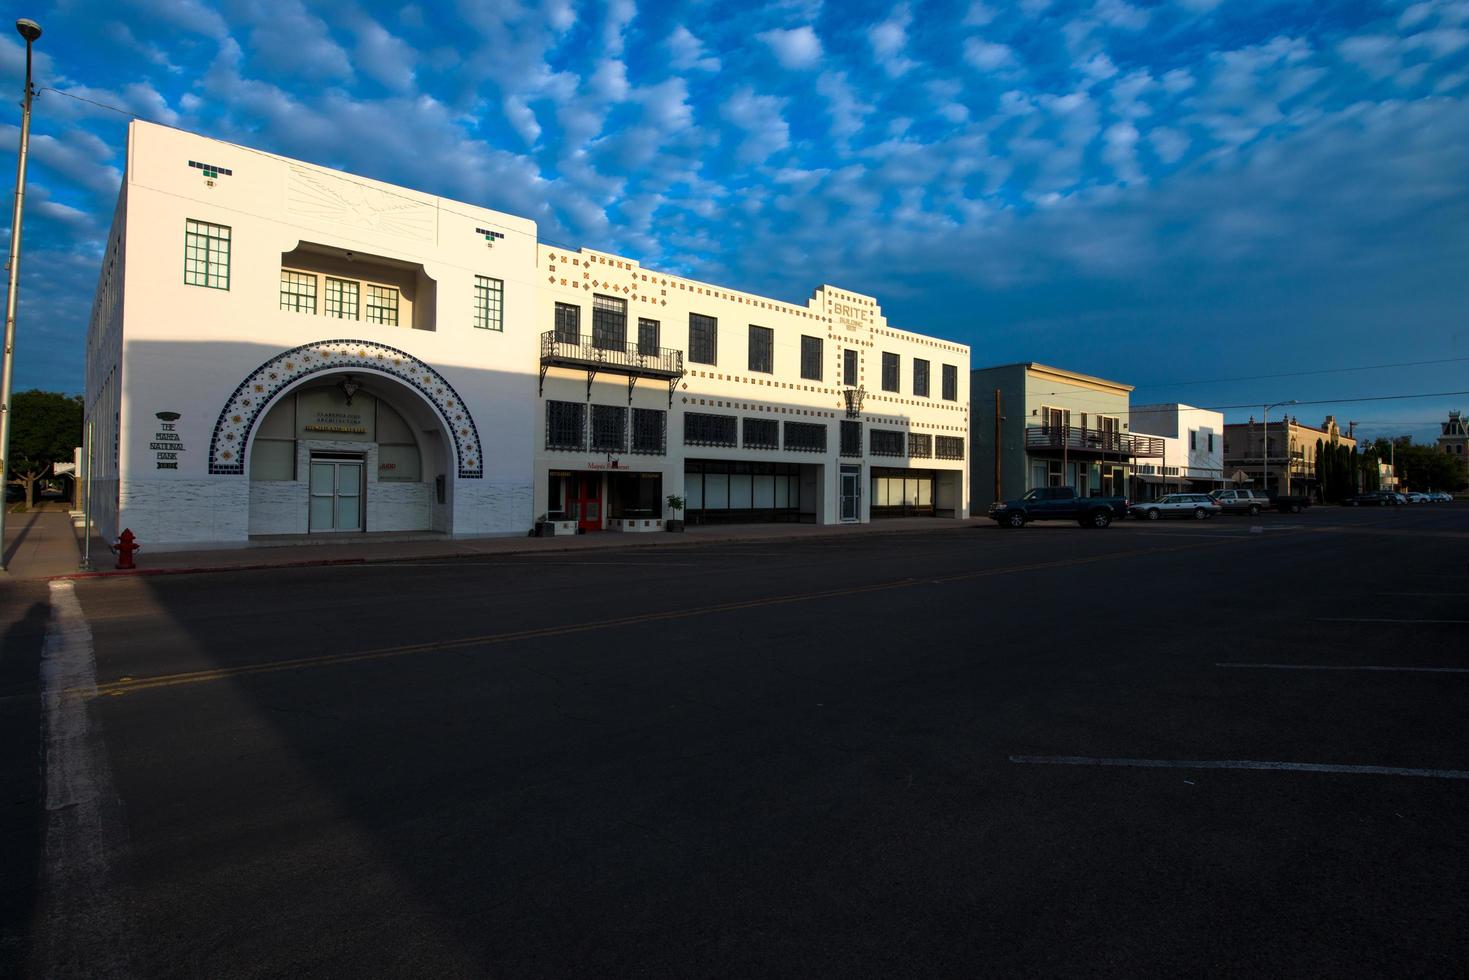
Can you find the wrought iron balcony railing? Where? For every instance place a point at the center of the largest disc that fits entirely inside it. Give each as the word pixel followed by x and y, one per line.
pixel 1099 442
pixel 596 355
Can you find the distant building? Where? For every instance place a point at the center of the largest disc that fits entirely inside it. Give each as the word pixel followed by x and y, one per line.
pixel 1264 461
pixel 1056 428
pixel 1455 437
pixel 1193 449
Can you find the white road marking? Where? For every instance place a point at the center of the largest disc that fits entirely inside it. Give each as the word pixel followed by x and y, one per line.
pixel 1250 764
pixel 1442 594
pixel 1420 670
pixel 83 925
pixel 1369 619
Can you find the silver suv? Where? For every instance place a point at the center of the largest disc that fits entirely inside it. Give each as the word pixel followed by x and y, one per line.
pixel 1241 501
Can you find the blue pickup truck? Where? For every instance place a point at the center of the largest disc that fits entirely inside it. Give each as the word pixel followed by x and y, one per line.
pixel 1058 504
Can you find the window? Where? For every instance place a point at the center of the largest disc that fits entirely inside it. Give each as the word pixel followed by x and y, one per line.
pixel 887 442
pixel 298 291
pixel 762 349
pixel 566 425
pixel 650 430
pixel 889 372
pixel 948 447
pixel 849 368
pixel 762 434
pixel 920 378
pixel 609 428
pixel 805 437
pixel 1193 439
pixel 920 445
pixel 647 337
pixel 851 438
pixel 568 324
pixel 703 338
pixel 382 305
pixel 1211 442
pixel 342 298
pixel 701 429
pixel 489 303
pixel 609 322
pixel 951 383
pixel 206 255
pixel 811 358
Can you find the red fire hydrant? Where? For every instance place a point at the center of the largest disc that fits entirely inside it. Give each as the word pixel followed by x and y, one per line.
pixel 126 545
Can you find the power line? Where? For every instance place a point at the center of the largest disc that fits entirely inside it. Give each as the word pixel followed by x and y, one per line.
pixel 1345 401
pixel 1302 374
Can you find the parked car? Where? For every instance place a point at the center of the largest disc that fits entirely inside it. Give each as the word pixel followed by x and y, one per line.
pixel 1372 498
pixel 1442 496
pixel 1058 504
pixel 1240 501
pixel 1414 497
pixel 1199 506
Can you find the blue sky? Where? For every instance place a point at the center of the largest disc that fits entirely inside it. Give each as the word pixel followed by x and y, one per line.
pixel 1153 192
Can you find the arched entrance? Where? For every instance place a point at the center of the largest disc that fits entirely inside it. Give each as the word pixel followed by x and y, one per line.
pixel 347 436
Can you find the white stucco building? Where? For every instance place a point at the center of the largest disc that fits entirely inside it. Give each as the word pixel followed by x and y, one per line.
pixel 281 349
pixel 1193 449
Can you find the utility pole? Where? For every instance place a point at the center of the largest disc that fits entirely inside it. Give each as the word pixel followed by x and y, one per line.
pixel 29 30
pixel 999 486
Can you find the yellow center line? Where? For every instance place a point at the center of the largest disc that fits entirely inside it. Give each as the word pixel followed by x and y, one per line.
pixel 130 685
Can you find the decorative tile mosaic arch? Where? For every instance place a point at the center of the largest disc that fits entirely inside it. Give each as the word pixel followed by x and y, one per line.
pixel 237 421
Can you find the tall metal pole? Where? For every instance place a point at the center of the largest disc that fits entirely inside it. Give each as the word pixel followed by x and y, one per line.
pixel 29 30
pixel 999 487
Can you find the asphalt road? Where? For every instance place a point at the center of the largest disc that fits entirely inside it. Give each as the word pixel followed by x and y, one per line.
pixel 972 752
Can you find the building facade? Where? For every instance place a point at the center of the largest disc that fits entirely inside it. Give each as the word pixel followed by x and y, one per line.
pixel 1193 450
pixel 1284 458
pixel 278 349
pixel 1454 435
pixel 1033 425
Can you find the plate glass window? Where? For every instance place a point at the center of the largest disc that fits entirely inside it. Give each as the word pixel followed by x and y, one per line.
pixel 206 255
pixel 298 291
pixel 609 322
pixel 647 337
pixel 920 377
pixel 889 372
pixel 811 358
pixel 703 338
pixel 849 368
pixel 951 383
pixel 762 349
pixel 342 298
pixel 568 323
pixel 382 305
pixel 489 303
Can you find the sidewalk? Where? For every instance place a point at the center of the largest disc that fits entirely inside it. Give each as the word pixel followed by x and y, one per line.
pixel 48 547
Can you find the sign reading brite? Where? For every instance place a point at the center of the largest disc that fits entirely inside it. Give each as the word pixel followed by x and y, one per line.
pixel 166 444
pixel 848 315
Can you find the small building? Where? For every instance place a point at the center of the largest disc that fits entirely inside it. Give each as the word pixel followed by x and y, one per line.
pixel 1454 438
pixel 1263 456
pixel 1033 425
pixel 1193 449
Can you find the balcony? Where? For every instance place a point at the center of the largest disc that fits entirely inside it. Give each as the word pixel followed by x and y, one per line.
pixel 631 360
pixel 1092 443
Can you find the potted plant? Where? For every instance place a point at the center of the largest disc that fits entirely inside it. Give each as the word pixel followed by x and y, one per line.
pixel 675 504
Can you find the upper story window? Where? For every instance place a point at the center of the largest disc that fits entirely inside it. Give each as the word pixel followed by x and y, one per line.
pixel 703 339
pixel 811 358
pixel 1193 439
pixel 382 305
pixel 343 296
pixel 889 372
pixel 568 323
pixel 951 383
pixel 609 322
pixel 920 378
pixel 489 303
pixel 206 254
pixel 298 291
pixel 647 337
pixel 762 349
pixel 849 367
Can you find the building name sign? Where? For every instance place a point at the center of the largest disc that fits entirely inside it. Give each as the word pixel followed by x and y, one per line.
pixel 166 444
pixel 848 315
pixel 325 413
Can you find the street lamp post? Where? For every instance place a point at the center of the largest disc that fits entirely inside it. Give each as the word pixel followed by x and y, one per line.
pixel 29 30
pixel 1265 449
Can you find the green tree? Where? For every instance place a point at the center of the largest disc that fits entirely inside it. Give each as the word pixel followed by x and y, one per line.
pixel 1430 468
pixel 46 426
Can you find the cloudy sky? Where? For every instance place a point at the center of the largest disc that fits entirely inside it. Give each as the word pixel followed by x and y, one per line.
pixel 1164 193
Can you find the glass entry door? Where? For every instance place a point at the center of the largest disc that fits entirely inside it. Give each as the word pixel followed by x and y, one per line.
pixel 336 495
pixel 851 491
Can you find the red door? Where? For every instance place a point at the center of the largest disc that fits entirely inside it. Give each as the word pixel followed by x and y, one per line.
pixel 588 489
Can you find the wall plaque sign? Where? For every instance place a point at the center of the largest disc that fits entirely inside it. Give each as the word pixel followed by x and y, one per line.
pixel 166 444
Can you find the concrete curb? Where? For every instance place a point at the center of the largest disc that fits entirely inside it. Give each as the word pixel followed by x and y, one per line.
pixel 696 542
